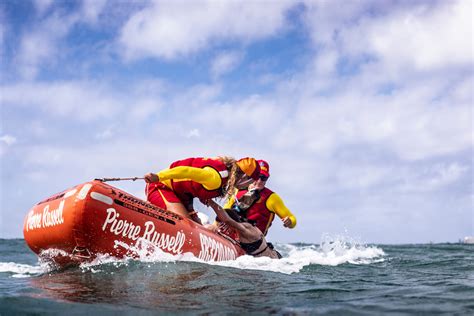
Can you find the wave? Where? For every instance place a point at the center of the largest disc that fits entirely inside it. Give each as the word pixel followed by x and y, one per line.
pixel 333 251
pixel 20 270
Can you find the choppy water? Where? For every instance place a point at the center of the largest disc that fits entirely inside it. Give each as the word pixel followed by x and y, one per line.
pixel 336 278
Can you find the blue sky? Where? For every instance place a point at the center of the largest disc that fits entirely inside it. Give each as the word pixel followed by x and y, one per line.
pixel 362 108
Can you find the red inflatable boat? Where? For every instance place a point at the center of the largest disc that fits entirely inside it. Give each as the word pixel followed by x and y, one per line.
pixel 95 218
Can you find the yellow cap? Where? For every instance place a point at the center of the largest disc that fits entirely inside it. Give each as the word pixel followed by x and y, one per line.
pixel 249 166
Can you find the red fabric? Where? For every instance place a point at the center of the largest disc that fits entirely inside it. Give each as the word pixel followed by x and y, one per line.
pixel 264 168
pixel 259 212
pixel 155 193
pixel 187 190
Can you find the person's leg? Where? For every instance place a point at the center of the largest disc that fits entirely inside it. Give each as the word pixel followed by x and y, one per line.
pixel 177 208
pixel 164 198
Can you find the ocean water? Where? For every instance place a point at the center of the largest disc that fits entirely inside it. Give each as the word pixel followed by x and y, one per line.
pixel 337 277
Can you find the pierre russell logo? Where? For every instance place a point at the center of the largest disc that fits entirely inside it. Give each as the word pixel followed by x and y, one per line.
pixel 47 218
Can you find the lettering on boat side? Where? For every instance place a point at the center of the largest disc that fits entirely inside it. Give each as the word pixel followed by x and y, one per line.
pixel 45 219
pixel 127 199
pixel 130 230
pixel 212 250
pixel 143 211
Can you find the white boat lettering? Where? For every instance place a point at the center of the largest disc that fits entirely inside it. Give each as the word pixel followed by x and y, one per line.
pixel 53 217
pixel 124 228
pixel 120 227
pixel 212 250
pixel 173 244
pixel 33 221
pixel 45 219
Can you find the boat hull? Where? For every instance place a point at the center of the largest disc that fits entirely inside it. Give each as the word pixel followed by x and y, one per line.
pixel 95 218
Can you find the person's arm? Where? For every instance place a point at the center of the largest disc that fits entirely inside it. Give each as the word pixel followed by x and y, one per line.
pixel 276 205
pixel 246 230
pixel 224 217
pixel 206 176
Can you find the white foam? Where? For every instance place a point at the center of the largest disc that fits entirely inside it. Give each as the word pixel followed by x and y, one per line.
pixel 284 265
pixel 143 251
pixel 20 270
pixel 45 265
pixel 333 251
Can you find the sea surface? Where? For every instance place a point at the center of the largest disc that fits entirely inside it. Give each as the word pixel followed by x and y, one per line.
pixel 336 277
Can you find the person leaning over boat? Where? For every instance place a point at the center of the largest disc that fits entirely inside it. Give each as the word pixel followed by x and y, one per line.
pixel 260 204
pixel 175 188
pixel 250 238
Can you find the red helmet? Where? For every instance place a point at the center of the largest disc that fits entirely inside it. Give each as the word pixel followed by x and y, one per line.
pixel 264 168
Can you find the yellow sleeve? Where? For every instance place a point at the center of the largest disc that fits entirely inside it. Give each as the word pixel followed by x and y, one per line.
pixel 276 205
pixel 206 176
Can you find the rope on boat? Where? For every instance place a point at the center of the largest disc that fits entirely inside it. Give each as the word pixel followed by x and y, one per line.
pixel 119 179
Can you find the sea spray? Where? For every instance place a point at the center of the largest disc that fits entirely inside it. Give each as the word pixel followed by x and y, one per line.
pixel 19 270
pixel 339 249
pixel 333 250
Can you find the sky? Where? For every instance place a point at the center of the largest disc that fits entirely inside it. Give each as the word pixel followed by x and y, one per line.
pixel 363 109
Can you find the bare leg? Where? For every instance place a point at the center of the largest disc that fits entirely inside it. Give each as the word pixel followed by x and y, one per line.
pixel 177 208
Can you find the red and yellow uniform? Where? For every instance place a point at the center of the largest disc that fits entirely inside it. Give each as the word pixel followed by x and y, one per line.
pixel 202 178
pixel 264 209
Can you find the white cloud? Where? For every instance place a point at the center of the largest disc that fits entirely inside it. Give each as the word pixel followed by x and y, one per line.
pixel 422 36
pixel 2 38
pixel 7 139
pixel 76 100
pixel 445 175
pixel 425 38
pixel 34 48
pixel 178 28
pixel 225 63
pixel 359 176
pixel 199 95
pixel 396 178
pixel 425 110
pixel 406 124
pixel 194 133
pixel 42 5
pixel 145 108
pixel 40 45
pixel 5 142
pixel 430 178
pixel 251 117
pixel 91 9
pixel 325 62
pixel 106 133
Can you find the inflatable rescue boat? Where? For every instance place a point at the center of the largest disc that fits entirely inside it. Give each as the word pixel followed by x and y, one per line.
pixel 94 218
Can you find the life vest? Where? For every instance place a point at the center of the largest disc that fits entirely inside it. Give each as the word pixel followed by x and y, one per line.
pixel 258 212
pixel 186 190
